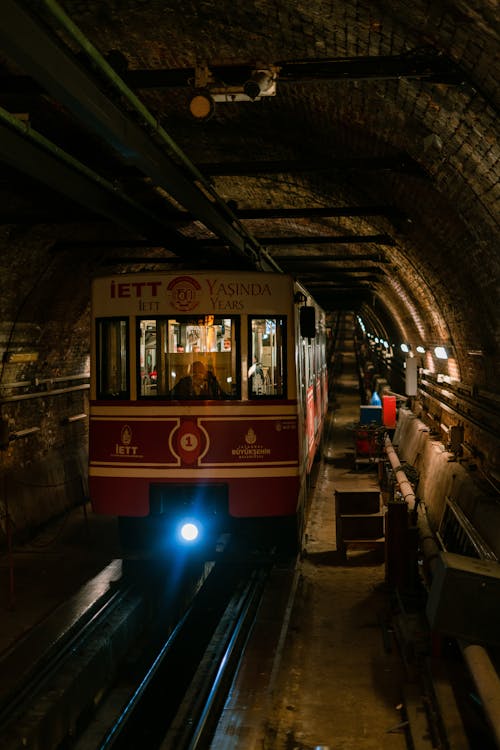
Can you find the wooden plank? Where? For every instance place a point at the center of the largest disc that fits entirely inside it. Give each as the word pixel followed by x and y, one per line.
pixel 416 714
pixel 448 709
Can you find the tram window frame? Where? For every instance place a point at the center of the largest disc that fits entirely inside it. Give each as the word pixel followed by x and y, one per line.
pixel 191 355
pixel 281 323
pixel 102 365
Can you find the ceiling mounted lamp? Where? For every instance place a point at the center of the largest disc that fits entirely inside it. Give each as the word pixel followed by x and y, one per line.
pixel 262 82
pixel 202 105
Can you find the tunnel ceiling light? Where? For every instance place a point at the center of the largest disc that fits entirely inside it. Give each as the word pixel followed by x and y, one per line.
pixel 441 352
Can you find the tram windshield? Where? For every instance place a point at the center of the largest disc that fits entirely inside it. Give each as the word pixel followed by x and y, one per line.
pixel 189 358
pixel 267 357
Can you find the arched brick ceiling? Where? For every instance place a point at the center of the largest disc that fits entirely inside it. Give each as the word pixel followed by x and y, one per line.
pixel 425 151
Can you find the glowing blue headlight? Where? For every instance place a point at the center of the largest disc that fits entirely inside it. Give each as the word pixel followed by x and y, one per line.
pixel 189 531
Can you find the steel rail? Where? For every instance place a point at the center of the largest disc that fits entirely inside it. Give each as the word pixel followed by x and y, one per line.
pixel 162 689
pixel 201 724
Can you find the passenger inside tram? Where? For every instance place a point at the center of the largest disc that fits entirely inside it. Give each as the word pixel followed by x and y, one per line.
pixel 256 377
pixel 199 383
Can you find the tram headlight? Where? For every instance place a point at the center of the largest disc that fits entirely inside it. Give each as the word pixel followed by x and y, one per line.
pixel 189 531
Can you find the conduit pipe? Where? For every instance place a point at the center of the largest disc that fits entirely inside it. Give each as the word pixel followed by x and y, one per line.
pixel 487 683
pixel 404 485
pixel 476 657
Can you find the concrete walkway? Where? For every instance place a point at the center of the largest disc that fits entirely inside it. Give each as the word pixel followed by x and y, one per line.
pixel 340 681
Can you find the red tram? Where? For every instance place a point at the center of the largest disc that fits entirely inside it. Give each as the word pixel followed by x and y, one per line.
pixel 208 396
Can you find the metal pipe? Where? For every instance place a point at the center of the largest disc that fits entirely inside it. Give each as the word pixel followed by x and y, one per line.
pixel 487 683
pixel 404 485
pixel 187 184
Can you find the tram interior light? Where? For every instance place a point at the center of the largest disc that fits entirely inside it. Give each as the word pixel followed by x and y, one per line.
pixel 420 349
pixel 405 348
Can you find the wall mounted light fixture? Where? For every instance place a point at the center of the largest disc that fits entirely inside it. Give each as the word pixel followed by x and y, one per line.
pixel 20 357
pixel 441 352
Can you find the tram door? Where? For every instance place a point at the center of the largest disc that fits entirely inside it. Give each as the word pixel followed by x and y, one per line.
pixel 267 357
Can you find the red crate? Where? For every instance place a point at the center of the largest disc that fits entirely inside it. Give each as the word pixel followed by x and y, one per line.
pixel 365 443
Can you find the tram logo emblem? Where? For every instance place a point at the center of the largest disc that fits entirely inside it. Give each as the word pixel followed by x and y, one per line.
pixel 250 450
pixel 126 435
pixel 184 293
pixel 124 447
pixel 250 437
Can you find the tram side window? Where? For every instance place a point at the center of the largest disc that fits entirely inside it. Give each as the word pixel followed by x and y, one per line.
pixel 112 358
pixel 189 357
pixel 153 350
pixel 267 357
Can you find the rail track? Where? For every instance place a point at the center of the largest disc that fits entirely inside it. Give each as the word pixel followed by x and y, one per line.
pixel 177 704
pixel 122 678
